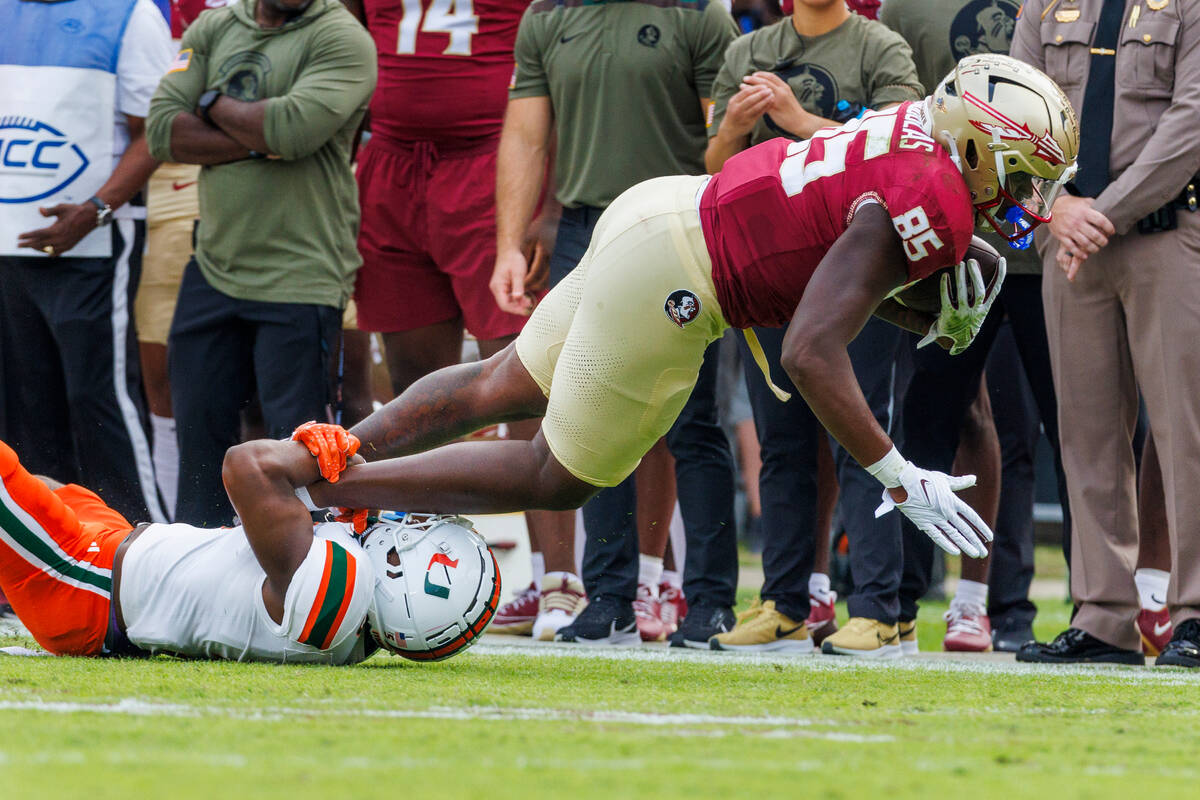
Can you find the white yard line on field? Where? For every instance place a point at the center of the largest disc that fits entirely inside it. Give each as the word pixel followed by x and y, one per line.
pixel 696 724
pixel 967 663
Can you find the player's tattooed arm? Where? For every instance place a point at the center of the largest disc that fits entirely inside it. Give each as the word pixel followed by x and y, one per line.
pixel 853 278
pixel 451 403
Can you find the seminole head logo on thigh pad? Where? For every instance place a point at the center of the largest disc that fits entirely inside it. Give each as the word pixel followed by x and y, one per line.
pixel 682 307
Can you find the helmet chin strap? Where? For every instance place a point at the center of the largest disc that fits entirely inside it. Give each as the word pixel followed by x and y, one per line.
pixel 952 147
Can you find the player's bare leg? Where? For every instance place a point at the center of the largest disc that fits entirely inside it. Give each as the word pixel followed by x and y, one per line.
pixel 822 616
pixel 450 403
pixel 466 478
pixel 552 533
pixel 827 497
pixel 979 454
pixel 1153 573
pixel 968 627
pixel 1154 547
pixel 655 478
pixel 654 486
pixel 411 355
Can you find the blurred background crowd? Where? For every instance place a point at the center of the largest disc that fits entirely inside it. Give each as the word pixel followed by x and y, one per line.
pixel 402 180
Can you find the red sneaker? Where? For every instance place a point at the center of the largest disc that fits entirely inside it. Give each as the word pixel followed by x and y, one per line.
pixel 822 618
pixel 647 610
pixel 517 615
pixel 671 596
pixel 1155 627
pixel 968 630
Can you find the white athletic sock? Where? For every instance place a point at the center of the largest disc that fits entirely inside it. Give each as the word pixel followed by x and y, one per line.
pixel 672 578
pixel 538 562
pixel 971 593
pixel 166 460
pixel 819 587
pixel 1152 588
pixel 650 570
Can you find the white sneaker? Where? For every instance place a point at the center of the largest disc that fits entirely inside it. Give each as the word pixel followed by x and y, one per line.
pixel 562 599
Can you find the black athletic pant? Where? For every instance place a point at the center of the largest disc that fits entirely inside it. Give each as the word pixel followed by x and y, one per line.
pixel 71 375
pixel 1015 413
pixel 874 542
pixel 943 388
pixel 220 349
pixel 788 435
pixel 703 470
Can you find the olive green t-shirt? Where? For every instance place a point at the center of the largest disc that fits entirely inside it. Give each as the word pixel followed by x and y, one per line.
pixel 859 61
pixel 940 32
pixel 277 230
pixel 625 79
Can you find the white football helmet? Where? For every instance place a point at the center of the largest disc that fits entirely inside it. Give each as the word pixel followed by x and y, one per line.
pixel 437 585
pixel 1012 133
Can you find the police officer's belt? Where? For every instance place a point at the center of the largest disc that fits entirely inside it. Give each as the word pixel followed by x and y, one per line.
pixel 1165 219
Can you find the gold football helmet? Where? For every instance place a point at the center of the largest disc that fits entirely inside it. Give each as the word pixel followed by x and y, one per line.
pixel 1014 136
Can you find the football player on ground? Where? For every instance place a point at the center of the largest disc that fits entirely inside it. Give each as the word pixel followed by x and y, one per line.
pixel 86 582
pixel 816 235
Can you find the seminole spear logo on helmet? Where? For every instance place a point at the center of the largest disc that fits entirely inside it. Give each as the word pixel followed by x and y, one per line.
pixel 1044 146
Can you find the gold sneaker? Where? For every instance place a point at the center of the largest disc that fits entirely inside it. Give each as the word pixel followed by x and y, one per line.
pixel 866 638
pixel 751 612
pixel 908 637
pixel 765 631
pixel 562 598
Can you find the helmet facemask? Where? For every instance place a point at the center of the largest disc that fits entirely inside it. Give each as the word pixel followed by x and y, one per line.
pixel 1024 201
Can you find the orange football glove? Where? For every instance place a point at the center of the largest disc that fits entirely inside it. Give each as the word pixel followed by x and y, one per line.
pixel 358 518
pixel 331 445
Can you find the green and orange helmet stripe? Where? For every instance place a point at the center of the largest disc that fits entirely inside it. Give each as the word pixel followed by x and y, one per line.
pixel 333 598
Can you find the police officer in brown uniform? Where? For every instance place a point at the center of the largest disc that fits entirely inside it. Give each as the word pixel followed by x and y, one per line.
pixel 1122 300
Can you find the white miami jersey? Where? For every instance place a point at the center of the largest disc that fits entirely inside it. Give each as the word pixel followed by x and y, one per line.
pixel 198 592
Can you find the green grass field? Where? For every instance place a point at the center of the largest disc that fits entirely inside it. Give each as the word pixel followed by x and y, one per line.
pixel 523 721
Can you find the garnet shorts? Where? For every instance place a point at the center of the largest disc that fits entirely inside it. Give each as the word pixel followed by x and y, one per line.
pixel 56 554
pixel 428 239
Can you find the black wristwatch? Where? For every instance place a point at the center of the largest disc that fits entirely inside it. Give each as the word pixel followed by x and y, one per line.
pixel 103 211
pixel 205 104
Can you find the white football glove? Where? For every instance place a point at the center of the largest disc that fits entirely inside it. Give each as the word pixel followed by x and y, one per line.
pixel 938 513
pixel 960 323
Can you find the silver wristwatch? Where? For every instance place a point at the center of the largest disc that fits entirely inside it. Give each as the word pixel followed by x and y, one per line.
pixel 103 211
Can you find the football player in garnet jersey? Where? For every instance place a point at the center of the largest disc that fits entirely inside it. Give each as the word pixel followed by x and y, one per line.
pixel 815 235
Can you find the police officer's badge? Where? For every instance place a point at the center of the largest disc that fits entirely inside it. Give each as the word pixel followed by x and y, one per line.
pixel 682 307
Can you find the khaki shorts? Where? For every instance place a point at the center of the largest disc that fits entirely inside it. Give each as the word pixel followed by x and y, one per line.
pixel 618 345
pixel 350 316
pixel 173 206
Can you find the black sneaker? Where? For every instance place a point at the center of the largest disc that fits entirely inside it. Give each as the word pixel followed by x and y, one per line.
pixel 701 624
pixel 1008 636
pixel 605 620
pixel 1184 648
pixel 1074 646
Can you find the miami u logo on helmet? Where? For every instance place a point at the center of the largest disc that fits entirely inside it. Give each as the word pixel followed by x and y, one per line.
pixel 447 565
